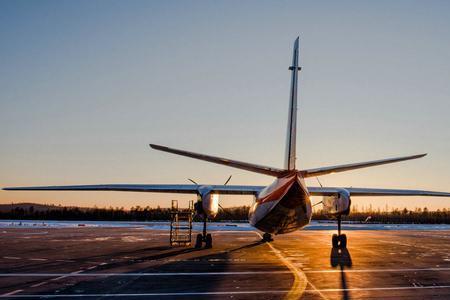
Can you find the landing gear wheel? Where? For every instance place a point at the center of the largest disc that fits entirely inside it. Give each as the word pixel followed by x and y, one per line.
pixel 335 241
pixel 267 237
pixel 339 241
pixel 208 241
pixel 199 241
pixel 343 241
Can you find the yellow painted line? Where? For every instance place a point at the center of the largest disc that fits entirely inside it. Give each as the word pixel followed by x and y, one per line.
pixel 300 279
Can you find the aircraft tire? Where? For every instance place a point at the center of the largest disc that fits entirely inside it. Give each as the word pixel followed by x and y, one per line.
pixel 208 242
pixel 267 237
pixel 335 241
pixel 343 241
pixel 199 241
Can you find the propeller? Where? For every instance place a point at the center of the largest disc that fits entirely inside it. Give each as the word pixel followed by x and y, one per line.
pixel 318 203
pixel 192 181
pixel 226 182
pixel 319 182
pixel 321 187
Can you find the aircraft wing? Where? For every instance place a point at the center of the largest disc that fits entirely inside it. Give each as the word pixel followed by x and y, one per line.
pixel 327 191
pixel 149 188
pixel 224 189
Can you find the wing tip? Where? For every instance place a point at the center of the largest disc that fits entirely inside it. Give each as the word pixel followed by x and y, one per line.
pixel 156 147
pixel 420 155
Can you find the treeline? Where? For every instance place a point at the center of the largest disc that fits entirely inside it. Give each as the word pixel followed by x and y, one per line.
pixel 417 216
pixel 112 214
pixel 396 216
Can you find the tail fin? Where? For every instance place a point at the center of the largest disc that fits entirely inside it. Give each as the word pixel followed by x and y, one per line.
pixel 289 163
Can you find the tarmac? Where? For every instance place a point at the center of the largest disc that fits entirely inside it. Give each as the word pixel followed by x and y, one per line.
pixel 138 263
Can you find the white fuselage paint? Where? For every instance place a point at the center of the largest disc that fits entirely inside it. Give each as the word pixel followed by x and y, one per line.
pixel 282 207
pixel 210 201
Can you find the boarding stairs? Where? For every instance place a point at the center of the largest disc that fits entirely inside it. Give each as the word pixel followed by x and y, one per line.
pixel 181 224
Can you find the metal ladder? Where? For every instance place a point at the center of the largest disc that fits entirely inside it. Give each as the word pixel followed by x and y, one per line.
pixel 181 224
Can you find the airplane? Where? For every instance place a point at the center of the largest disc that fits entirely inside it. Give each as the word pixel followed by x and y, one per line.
pixel 283 206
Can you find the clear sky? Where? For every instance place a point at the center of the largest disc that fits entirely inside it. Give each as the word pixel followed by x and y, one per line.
pixel 86 85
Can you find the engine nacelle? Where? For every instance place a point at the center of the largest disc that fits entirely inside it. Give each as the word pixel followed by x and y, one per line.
pixel 337 204
pixel 209 202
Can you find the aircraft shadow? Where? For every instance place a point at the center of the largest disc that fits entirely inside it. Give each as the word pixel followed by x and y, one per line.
pixel 196 260
pixel 340 257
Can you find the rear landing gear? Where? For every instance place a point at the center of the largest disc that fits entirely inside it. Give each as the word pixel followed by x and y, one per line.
pixel 267 237
pixel 204 238
pixel 339 240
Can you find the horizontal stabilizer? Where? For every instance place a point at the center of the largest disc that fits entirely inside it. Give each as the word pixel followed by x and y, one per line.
pixel 224 161
pixel 348 167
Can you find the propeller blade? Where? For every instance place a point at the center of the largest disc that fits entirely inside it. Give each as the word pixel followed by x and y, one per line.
pixel 317 203
pixel 193 181
pixel 228 180
pixel 319 181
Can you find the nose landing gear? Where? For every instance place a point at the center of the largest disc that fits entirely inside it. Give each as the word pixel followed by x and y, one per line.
pixel 204 238
pixel 339 240
pixel 267 237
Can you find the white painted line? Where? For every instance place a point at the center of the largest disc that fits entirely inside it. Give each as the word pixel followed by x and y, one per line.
pixel 220 293
pixel 39 284
pixel 146 294
pixel 78 273
pixel 58 278
pixel 66 275
pixel 379 270
pixel 11 257
pixel 38 259
pixel 11 293
pixel 389 288
pixel 64 260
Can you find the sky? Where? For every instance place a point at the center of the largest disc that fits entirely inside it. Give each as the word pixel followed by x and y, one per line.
pixel 85 86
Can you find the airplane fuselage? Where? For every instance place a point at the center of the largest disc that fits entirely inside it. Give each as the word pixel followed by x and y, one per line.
pixel 282 207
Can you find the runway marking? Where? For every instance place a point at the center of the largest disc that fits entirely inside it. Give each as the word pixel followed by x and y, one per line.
pixel 39 284
pixel 9 295
pixel 11 257
pixel 377 270
pixel 79 274
pixel 64 260
pixel 66 275
pixel 300 281
pixel 38 259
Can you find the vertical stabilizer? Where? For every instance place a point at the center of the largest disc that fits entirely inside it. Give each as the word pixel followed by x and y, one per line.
pixel 289 163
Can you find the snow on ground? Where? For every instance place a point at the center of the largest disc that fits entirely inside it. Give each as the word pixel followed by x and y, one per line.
pixel 222 226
